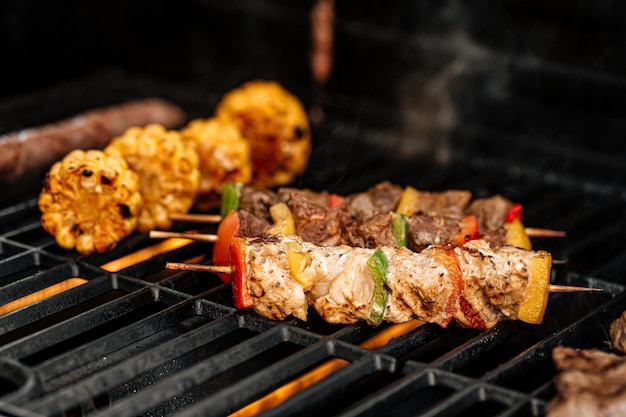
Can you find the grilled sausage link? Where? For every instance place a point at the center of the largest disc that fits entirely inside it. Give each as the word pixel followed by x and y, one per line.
pixel 35 149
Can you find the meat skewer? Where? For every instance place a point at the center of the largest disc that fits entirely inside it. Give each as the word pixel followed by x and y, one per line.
pixel 475 285
pixel 216 218
pixel 491 213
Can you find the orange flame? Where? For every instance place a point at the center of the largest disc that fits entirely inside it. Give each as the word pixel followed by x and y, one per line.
pixel 145 254
pixel 41 295
pixel 282 393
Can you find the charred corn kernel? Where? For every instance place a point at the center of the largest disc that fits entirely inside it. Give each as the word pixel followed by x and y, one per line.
pixel 533 308
pixel 283 220
pixel 168 169
pixel 516 234
pixel 408 201
pixel 90 201
pixel 275 123
pixel 224 156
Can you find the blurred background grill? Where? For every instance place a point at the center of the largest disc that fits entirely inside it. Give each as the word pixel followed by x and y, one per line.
pixel 524 99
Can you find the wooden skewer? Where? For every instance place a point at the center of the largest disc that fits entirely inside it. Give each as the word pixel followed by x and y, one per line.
pixel 202 237
pixel 199 218
pixel 227 269
pixel 537 232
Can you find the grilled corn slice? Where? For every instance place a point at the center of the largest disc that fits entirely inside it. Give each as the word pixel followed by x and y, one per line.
pixel 224 156
pixel 168 170
pixel 276 125
pixel 90 201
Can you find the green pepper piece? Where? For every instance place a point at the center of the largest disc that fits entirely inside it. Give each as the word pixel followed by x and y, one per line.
pixel 378 264
pixel 231 193
pixel 400 230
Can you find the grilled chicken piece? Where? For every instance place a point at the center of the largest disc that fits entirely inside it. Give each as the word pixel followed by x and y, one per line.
pixel 474 284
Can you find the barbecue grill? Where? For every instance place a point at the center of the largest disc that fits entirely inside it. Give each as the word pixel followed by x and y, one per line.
pixel 515 99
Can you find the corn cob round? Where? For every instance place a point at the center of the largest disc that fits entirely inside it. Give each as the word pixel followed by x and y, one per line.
pixel 224 156
pixel 168 170
pixel 90 201
pixel 275 123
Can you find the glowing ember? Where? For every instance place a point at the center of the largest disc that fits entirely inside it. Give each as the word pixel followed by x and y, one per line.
pixel 41 295
pixel 284 392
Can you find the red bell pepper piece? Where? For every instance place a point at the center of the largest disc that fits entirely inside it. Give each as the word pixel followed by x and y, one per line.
pixel 449 260
pixel 469 230
pixel 228 228
pixel 335 200
pixel 240 282
pixel 515 212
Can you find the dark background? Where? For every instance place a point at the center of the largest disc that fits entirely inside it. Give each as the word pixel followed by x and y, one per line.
pixel 545 78
pixel 523 98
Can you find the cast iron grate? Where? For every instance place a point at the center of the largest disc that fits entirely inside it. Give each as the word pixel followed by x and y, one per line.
pixel 142 340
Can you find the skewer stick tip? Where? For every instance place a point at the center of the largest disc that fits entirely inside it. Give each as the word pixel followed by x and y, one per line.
pixel 198 218
pixel 570 288
pixel 224 269
pixel 538 232
pixel 202 237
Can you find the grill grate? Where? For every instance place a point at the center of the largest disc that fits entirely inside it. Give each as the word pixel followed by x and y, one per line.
pixel 142 340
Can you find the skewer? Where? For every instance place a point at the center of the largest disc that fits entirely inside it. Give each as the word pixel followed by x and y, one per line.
pixel 202 237
pixel 198 218
pixel 216 218
pixel 206 237
pixel 537 232
pixel 227 269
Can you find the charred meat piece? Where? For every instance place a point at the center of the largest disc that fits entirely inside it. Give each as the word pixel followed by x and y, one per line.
pixel 589 382
pixel 381 198
pixel 258 200
pixel 491 212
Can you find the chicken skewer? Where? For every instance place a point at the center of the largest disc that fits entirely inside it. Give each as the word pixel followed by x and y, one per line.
pixel 475 285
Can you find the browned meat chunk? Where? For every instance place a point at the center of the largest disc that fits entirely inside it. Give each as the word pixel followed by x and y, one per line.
pixel 427 230
pixel 490 212
pixel 617 331
pixel 381 198
pixel 257 200
pixel 590 383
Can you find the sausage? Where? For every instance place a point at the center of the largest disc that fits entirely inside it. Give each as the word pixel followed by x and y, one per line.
pixel 35 149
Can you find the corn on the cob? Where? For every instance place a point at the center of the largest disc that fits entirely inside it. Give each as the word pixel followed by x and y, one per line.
pixel 90 201
pixel 168 170
pixel 224 156
pixel 276 125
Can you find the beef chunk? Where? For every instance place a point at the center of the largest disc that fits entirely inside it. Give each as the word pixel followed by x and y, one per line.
pixel 490 212
pixel 257 201
pixel 427 230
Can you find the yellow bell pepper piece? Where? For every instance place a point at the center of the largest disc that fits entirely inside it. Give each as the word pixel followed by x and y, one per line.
pixel 516 234
pixel 408 201
pixel 283 220
pixel 534 305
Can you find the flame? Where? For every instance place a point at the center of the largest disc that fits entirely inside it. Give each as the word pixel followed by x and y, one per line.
pixel 113 266
pixel 282 393
pixel 41 295
pixel 145 254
